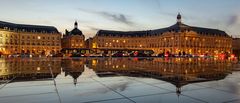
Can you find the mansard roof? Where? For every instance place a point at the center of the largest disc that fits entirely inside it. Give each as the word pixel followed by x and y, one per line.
pixel 121 33
pixel 76 31
pixel 27 28
pixel 174 28
pixel 183 27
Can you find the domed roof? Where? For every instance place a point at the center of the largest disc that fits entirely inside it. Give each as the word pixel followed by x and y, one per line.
pixel 76 31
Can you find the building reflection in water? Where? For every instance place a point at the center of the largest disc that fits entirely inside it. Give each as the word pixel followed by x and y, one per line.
pixel 28 69
pixel 73 67
pixel 177 71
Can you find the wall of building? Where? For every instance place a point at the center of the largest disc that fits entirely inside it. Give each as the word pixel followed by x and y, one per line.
pixel 236 46
pixel 73 41
pixel 189 42
pixel 36 43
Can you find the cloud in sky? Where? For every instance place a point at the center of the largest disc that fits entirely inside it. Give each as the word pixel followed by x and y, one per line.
pixel 93 28
pixel 233 20
pixel 126 15
pixel 116 17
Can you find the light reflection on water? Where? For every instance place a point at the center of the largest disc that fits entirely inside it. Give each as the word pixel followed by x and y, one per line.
pixel 178 71
pixel 93 79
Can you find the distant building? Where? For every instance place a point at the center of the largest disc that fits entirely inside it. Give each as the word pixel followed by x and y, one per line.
pixel 176 39
pixel 28 39
pixel 74 38
pixel 88 43
pixel 236 46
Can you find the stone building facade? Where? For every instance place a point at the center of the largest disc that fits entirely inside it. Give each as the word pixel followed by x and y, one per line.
pixel 28 39
pixel 176 39
pixel 73 39
pixel 236 46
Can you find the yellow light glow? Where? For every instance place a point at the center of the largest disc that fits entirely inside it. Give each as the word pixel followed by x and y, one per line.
pixel 94 45
pixel 94 62
pixel 38 68
pixel 190 51
pixel 190 59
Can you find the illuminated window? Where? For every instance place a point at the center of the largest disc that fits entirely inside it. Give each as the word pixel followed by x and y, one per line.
pixel 39 37
pixel 38 68
pixel 94 45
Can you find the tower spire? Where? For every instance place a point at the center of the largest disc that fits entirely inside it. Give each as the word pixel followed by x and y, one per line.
pixel 75 24
pixel 179 18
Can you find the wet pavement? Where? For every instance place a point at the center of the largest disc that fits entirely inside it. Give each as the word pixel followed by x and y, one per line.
pixel 119 80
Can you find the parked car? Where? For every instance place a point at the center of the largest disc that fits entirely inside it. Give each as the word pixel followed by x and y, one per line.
pixel 118 54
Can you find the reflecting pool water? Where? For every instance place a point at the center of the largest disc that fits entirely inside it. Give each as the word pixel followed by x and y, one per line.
pixel 119 80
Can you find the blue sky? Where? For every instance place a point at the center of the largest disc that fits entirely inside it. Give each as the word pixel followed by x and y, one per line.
pixel 126 15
